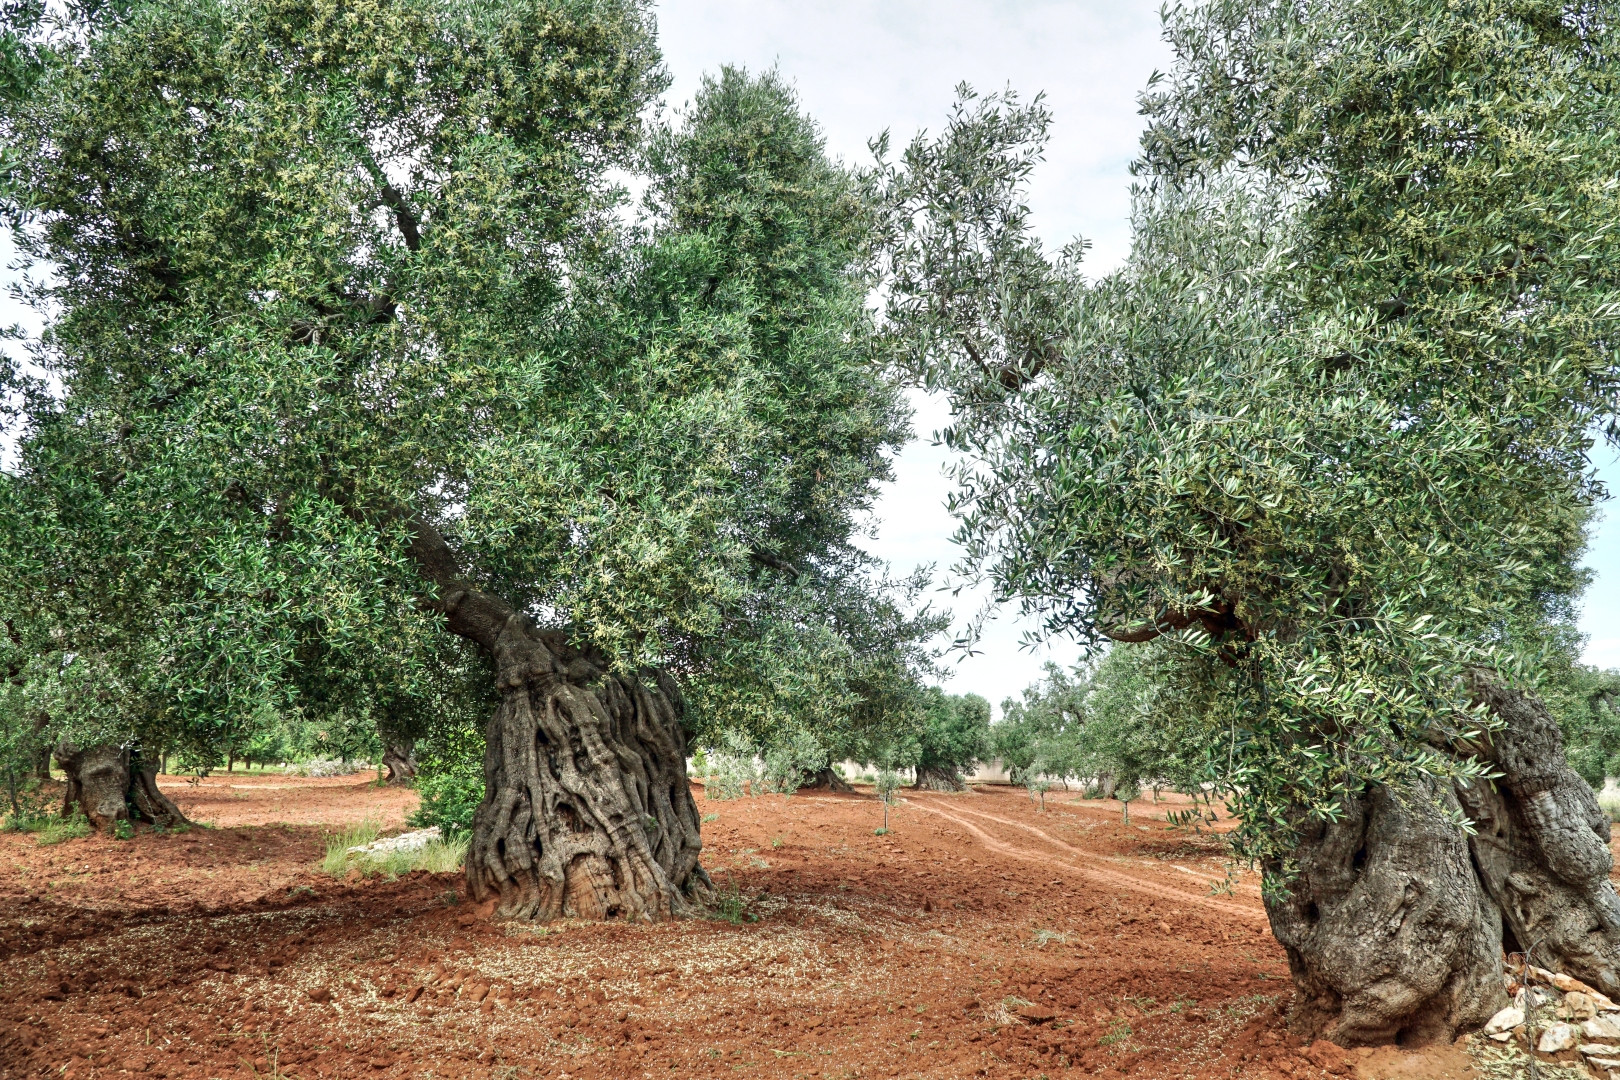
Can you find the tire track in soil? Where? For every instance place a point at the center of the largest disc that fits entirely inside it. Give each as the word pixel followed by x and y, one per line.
pixel 1145 886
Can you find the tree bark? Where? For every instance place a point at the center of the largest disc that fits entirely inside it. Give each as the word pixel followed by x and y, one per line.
pixel 399 757
pixel 826 779
pixel 1389 935
pixel 108 784
pixel 587 810
pixel 1396 921
pixel 1541 843
pixel 939 778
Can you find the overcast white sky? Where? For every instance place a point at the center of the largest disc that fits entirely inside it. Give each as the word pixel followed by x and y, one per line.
pixel 863 67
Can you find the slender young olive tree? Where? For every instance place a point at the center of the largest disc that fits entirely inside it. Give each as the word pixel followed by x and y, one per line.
pixel 353 344
pixel 1325 438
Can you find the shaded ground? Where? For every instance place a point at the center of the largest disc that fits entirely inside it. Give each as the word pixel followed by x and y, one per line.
pixel 979 938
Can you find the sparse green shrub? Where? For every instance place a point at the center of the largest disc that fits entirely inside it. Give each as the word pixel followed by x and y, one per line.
pixel 730 777
pixel 1125 792
pixel 731 906
pixel 790 761
pixel 886 784
pixel 449 801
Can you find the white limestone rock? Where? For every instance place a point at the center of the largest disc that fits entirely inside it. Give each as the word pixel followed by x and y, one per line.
pixel 1557 1037
pixel 1506 1020
pixel 411 841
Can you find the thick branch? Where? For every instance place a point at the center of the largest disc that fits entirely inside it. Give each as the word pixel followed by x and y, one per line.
pixel 469 611
pixel 766 557
pixel 409 228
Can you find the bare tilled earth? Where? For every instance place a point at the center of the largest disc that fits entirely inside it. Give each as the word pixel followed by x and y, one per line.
pixel 980 938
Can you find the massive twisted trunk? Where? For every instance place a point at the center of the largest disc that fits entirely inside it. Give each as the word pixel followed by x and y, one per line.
pixel 1396 921
pixel 1541 844
pixel 109 784
pixel 939 778
pixel 1389 935
pixel 587 810
pixel 399 757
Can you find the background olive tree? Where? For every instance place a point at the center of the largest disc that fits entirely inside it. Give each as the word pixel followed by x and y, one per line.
pixel 368 400
pixel 1324 438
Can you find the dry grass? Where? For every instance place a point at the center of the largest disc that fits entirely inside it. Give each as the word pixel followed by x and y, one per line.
pixel 441 856
pixel 1508 1062
pixel 337 860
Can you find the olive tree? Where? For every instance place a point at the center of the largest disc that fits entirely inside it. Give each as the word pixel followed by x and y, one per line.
pixel 367 394
pixel 1324 437
pixel 955 736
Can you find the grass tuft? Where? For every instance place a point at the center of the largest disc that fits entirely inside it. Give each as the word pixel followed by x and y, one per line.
pixel 337 861
pixel 57 829
pixel 442 856
pixel 48 828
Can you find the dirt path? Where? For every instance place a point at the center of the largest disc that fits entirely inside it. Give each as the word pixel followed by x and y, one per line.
pixel 229 801
pixel 978 938
pixel 1139 883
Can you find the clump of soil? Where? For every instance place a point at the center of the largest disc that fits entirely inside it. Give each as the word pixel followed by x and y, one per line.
pixel 977 938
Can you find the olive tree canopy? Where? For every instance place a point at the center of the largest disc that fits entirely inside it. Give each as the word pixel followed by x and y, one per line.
pixel 355 340
pixel 1325 435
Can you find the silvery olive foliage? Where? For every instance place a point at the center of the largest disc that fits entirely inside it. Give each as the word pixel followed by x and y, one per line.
pixel 1325 435
pixel 318 274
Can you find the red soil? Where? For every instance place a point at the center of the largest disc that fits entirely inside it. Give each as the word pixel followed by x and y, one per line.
pixel 979 938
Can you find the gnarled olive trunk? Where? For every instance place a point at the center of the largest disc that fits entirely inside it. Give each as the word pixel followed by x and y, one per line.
pixel 826 779
pixel 1396 921
pixel 108 784
pixel 1389 935
pixel 399 757
pixel 587 810
pixel 1541 844
pixel 939 778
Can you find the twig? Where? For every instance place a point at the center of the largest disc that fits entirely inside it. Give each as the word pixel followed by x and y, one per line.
pixel 1530 1008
